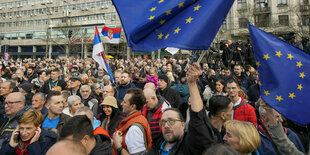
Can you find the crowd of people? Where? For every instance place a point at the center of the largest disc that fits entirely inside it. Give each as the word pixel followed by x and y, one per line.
pixel 164 106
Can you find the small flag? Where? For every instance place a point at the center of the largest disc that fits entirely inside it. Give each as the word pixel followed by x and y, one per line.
pixel 284 74
pixel 98 54
pixel 111 34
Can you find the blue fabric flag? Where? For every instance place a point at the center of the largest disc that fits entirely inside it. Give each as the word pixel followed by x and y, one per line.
pixel 284 74
pixel 187 24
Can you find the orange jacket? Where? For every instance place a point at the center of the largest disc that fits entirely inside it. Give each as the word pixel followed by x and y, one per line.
pixel 128 122
pixel 100 130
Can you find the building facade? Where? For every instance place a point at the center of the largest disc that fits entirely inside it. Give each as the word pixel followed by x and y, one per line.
pixel 36 28
pixel 279 17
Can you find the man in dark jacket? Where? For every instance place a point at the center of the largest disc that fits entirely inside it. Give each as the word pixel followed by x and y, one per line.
pixel 14 108
pixel 199 136
pixel 80 128
pixel 55 80
pixel 125 84
pixel 243 80
pixel 89 100
pixel 55 119
pixel 172 96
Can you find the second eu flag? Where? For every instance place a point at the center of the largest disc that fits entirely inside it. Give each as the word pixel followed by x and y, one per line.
pixel 154 24
pixel 284 73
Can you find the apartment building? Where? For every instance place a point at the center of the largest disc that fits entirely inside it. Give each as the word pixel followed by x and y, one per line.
pixel 36 28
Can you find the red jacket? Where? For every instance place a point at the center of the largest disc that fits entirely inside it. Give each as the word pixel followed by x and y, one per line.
pixel 245 112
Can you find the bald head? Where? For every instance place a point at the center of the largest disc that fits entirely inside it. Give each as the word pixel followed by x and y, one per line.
pixel 66 147
pixel 151 98
pixel 150 85
pixel 14 103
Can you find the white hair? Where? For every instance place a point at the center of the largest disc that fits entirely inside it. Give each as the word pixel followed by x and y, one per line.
pixel 72 99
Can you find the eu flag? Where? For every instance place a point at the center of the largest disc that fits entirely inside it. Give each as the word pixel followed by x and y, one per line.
pixel 187 24
pixel 284 73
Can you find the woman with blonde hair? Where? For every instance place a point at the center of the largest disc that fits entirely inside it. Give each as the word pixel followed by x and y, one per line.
pixel 241 136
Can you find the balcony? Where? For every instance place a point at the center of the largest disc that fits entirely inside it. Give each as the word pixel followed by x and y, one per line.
pixel 305 8
pixel 262 10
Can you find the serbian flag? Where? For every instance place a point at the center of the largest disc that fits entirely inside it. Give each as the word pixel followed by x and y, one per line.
pixel 98 54
pixel 111 34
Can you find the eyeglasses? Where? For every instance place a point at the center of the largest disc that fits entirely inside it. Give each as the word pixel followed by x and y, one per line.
pixel 170 122
pixel 10 103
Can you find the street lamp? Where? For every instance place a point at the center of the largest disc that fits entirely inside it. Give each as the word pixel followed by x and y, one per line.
pixel 49 30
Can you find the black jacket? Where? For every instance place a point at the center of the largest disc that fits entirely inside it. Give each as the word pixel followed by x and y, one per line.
pixel 103 145
pixel 10 123
pixel 172 96
pixel 46 86
pixel 199 136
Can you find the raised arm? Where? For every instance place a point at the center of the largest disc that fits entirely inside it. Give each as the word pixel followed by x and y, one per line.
pixel 192 76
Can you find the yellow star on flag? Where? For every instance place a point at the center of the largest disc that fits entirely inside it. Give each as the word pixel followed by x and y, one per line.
pixel 160 36
pixel 266 56
pixel 292 95
pixel 160 1
pixel 196 8
pixel 168 12
pixel 258 63
pixel 300 87
pixel 189 20
pixel 151 17
pixel 181 5
pixel 162 21
pixel 289 56
pixel 279 98
pixel 259 83
pixel 176 31
pixel 266 93
pixel 166 37
pixel 153 9
pixel 278 54
pixel 299 64
pixel 302 75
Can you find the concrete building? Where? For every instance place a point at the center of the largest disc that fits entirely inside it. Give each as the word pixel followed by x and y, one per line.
pixel 35 28
pixel 279 17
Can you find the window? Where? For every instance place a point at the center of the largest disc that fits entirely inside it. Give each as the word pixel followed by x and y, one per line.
pixel 282 2
pixel 261 5
pixel 305 1
pixel 243 23
pixel 242 4
pixel 305 20
pixel 262 20
pixel 283 20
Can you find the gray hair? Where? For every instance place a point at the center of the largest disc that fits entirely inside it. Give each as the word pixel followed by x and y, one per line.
pixel 94 85
pixel 261 110
pixel 106 77
pixel 42 95
pixel 84 87
pixel 86 110
pixel 72 99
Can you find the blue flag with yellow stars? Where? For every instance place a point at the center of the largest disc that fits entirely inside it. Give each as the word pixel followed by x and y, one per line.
pixel 284 74
pixel 150 25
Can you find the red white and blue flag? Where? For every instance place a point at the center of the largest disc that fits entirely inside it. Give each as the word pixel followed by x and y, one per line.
pixel 98 54
pixel 111 34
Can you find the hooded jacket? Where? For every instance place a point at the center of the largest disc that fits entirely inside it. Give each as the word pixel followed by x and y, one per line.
pixel 103 145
